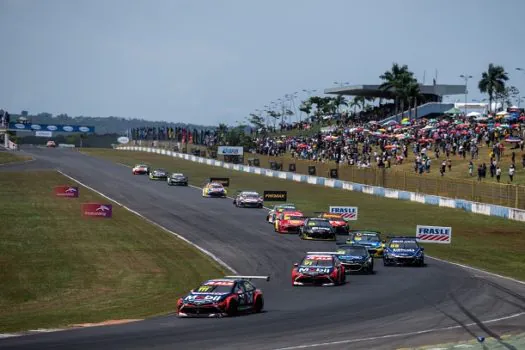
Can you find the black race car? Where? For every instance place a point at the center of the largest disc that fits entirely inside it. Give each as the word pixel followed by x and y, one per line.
pixel 403 251
pixel 355 258
pixel 222 297
pixel 177 179
pixel 317 229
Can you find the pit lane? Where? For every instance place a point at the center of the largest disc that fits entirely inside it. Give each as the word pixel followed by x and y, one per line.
pixel 402 300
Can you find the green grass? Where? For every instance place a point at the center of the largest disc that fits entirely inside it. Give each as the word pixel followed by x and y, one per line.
pixel 10 157
pixel 57 268
pixel 491 243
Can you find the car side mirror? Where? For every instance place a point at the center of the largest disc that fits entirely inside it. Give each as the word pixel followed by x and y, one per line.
pixel 296 264
pixel 422 248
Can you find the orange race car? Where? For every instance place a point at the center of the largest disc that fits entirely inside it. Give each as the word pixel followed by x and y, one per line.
pixel 336 220
pixel 289 222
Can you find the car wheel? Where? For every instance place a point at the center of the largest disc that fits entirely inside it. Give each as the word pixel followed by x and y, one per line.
pixel 259 304
pixel 232 308
pixel 385 262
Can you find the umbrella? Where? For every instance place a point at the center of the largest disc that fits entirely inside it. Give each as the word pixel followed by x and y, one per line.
pixel 390 122
pixel 501 113
pixel 513 140
pixel 454 111
pixel 474 114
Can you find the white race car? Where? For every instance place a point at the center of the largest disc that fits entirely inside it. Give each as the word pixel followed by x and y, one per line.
pixel 277 209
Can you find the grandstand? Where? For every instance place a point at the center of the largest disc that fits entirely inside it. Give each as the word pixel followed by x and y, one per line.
pixel 433 98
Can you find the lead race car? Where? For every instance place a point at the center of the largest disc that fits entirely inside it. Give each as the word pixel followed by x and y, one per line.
pixel 177 179
pixel 248 199
pixel 158 174
pixel 277 209
pixel 319 268
pixel 226 296
pixel 140 169
pixel 403 250
pixel 214 189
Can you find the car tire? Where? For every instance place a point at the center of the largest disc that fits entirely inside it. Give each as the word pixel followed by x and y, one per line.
pixel 232 308
pixel 386 263
pixel 258 305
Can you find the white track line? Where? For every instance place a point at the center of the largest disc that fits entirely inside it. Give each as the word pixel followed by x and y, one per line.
pixel 211 255
pixel 397 335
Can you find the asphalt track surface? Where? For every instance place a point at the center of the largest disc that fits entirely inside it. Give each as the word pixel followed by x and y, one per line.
pixel 394 308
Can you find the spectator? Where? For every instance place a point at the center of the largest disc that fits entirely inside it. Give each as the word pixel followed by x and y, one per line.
pixel 512 169
pixel 498 174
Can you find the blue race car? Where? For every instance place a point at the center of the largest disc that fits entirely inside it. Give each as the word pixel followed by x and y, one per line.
pixel 403 251
pixel 370 239
pixel 355 258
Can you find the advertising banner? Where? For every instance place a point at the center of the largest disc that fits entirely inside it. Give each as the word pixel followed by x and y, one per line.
pixel 348 213
pixel 230 151
pixel 48 127
pixel 97 210
pixel 66 191
pixel 275 196
pixel 434 234
pixel 43 133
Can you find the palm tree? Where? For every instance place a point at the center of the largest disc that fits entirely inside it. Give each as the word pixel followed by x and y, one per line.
pixel 306 108
pixel 493 81
pixel 395 81
pixel 339 101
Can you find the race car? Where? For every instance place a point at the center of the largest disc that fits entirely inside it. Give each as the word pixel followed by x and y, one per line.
pixel 319 268
pixel 140 169
pixel 214 189
pixel 317 229
pixel 355 258
pixel 158 174
pixel 336 220
pixel 404 251
pixel 226 296
pixel 51 144
pixel 370 239
pixel 248 199
pixel 270 218
pixel 289 221
pixel 177 179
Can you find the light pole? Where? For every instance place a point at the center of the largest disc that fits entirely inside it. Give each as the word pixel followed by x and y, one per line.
pixel 341 84
pixel 466 77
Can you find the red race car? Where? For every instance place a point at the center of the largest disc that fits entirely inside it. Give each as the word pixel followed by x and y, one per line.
pixel 336 221
pixel 226 296
pixel 289 221
pixel 319 268
pixel 140 169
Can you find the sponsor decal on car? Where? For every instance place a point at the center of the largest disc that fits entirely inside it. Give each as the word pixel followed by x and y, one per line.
pixel 66 191
pixel 225 181
pixel 97 210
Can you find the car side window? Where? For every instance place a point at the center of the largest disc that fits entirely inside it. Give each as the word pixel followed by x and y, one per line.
pixel 238 288
pixel 248 286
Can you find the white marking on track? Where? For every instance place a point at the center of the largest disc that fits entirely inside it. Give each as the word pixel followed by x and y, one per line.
pixel 210 254
pixel 397 335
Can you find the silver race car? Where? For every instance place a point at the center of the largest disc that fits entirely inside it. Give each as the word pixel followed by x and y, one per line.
pixel 248 199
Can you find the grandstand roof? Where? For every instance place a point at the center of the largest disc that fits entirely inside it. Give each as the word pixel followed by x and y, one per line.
pixel 375 91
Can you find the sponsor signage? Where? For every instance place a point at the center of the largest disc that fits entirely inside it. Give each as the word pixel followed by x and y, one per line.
pixel 275 196
pixel 97 210
pixel 434 234
pixel 123 140
pixel 348 213
pixel 225 181
pixel 66 145
pixel 66 191
pixel 230 151
pixel 44 133
pixel 48 127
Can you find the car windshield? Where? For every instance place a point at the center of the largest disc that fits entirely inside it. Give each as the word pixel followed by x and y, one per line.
pixel 319 260
pixel 293 217
pixel 176 174
pixel 216 186
pixel 318 223
pixel 365 237
pixel 251 195
pixel 215 287
pixel 403 245
pixel 161 170
pixel 349 250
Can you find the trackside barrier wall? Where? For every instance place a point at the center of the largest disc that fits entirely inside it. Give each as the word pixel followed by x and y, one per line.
pixel 469 206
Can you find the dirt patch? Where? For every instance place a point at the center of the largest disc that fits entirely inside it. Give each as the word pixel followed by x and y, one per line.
pixel 105 323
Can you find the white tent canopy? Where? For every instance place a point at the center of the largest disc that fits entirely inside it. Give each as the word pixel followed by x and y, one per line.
pixel 473 114
pixel 502 113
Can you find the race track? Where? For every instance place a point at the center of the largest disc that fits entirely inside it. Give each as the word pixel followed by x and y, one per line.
pixel 393 308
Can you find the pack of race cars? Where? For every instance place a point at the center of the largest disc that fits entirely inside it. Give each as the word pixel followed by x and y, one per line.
pixel 232 295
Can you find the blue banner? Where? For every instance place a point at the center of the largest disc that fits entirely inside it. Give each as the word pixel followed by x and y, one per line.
pixel 49 127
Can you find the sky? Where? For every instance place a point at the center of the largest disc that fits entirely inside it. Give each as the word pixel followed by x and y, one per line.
pixel 215 61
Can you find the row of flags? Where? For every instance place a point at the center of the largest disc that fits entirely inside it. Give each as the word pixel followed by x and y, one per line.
pixel 178 134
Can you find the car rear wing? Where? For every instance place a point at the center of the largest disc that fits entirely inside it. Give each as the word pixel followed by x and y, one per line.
pixel 249 278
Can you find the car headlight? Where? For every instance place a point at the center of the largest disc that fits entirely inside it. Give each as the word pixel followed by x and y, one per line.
pixel 369 260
